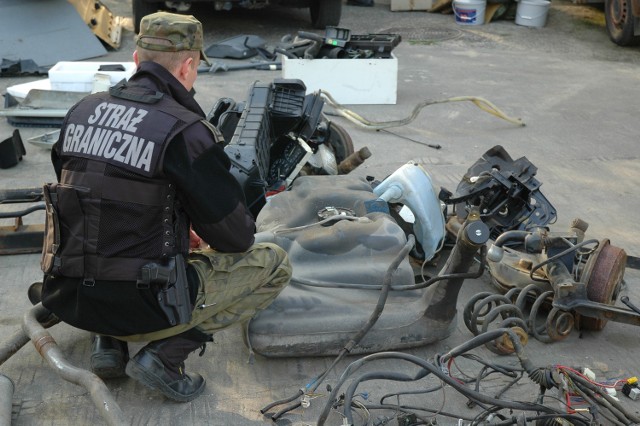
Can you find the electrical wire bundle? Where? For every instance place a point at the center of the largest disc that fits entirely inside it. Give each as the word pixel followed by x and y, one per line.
pixel 441 369
pixel 354 407
pixel 593 398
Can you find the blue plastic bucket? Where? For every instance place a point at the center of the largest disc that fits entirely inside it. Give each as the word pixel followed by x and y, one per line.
pixel 469 12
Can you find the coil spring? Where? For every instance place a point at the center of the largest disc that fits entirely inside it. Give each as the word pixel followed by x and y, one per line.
pixel 485 308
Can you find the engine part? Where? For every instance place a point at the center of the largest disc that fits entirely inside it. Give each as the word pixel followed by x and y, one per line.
pixel 271 137
pixel 506 192
pixel 559 273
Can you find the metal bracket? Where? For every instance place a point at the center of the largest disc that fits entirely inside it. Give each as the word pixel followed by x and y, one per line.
pixel 99 18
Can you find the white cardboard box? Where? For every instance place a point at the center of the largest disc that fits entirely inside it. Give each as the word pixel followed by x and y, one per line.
pixel 349 81
pixel 79 76
pixel 406 5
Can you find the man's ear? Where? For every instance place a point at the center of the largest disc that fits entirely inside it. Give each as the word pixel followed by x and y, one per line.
pixel 135 58
pixel 186 67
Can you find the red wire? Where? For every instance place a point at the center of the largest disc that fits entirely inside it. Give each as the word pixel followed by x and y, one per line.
pixel 563 367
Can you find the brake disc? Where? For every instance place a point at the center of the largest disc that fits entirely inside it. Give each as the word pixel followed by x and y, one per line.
pixel 603 275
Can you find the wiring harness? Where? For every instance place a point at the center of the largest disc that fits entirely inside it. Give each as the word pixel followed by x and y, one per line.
pixel 597 406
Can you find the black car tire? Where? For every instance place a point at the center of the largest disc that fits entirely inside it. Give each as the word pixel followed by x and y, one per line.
pixel 142 8
pixel 620 22
pixel 325 13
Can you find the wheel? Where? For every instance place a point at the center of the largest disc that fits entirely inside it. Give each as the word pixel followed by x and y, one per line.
pixel 620 22
pixel 142 8
pixel 325 13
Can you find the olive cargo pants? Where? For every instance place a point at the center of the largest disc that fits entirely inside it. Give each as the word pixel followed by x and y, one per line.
pixel 233 288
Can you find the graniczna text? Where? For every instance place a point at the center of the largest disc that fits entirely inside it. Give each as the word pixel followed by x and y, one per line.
pixel 111 133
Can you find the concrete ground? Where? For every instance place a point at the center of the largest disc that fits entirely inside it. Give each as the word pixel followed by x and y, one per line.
pixel 577 93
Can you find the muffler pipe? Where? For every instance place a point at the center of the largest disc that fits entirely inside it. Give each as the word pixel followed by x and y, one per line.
pixel 48 348
pixel 6 400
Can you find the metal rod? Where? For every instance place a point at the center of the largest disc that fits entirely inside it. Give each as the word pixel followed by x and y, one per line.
pixel 20 213
pixel 13 345
pixel 48 348
pixel 45 113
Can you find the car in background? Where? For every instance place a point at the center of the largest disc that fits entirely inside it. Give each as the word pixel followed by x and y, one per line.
pixel 323 13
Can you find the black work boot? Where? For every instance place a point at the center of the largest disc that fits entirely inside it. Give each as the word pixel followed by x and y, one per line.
pixel 109 357
pixel 160 366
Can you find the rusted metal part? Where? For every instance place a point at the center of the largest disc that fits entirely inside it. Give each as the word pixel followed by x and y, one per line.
pixel 589 302
pixel 559 324
pixel 603 275
pixel 576 299
pixel 353 161
pixel 47 347
pixel 21 239
pixel 42 342
pixel 506 345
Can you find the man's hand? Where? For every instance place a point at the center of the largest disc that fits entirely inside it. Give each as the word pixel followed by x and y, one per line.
pixel 194 240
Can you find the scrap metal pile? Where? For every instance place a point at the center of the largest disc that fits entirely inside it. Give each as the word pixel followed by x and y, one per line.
pixel 338 43
pixel 378 267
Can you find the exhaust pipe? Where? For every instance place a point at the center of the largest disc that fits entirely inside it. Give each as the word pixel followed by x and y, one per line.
pixel 48 348
pixel 6 400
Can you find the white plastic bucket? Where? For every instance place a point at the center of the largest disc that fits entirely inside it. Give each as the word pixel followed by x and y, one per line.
pixel 532 13
pixel 469 12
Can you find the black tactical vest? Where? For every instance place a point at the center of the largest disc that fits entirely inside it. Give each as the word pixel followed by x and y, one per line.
pixel 113 210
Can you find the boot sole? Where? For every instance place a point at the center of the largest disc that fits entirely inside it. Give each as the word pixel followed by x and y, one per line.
pixel 153 382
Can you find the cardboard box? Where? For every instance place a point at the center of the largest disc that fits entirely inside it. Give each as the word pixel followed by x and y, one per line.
pixel 349 81
pixel 407 5
pixel 79 76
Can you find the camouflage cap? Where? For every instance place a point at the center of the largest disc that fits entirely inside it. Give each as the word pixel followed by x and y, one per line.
pixel 171 32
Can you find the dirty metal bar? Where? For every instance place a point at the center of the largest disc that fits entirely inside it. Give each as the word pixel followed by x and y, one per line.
pixel 20 338
pixel 13 345
pixel 47 347
pixel 22 239
pixel 20 213
pixel 33 112
pixel 350 163
pixel 472 236
pixel 570 295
